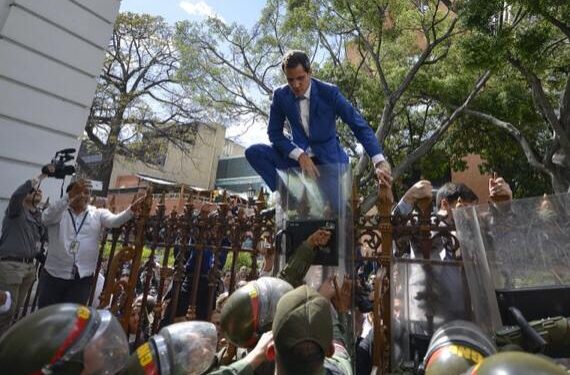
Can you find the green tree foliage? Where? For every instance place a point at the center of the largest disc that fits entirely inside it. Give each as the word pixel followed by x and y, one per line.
pixel 374 51
pixel 139 106
pixel 436 79
pixel 526 45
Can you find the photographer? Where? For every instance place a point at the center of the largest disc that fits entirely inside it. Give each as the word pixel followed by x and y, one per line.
pixel 74 227
pixel 22 236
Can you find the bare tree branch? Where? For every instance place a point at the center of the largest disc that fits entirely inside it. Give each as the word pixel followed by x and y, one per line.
pixel 542 102
pixel 426 145
pixel 517 135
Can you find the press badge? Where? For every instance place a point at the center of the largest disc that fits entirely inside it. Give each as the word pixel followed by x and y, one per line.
pixel 74 247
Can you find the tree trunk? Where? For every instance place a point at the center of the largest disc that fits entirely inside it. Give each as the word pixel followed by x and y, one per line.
pixel 111 148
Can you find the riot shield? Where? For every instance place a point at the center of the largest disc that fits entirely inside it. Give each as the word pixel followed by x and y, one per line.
pixel 517 254
pixel 425 294
pixel 306 205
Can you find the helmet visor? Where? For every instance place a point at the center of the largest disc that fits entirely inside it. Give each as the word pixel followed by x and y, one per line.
pixel 191 347
pixel 107 351
pixel 270 290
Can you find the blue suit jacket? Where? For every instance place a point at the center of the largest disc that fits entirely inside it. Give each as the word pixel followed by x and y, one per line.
pixel 326 105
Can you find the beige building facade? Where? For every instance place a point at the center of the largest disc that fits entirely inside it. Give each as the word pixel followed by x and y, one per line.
pixel 196 167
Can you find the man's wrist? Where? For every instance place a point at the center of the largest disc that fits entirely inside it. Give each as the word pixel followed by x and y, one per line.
pixel 378 159
pixel 408 200
pixel 296 153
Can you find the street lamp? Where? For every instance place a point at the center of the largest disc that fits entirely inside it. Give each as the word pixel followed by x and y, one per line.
pixel 250 194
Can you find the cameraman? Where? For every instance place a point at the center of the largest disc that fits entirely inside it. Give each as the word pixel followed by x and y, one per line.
pixel 74 228
pixel 22 236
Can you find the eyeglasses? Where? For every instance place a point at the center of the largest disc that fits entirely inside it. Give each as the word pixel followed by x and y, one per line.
pixel 461 194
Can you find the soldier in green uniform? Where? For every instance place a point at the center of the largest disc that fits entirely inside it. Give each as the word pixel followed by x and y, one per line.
pixel 306 338
pixel 248 312
pixel 186 348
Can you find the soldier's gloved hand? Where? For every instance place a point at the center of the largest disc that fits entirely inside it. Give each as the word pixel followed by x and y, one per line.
pixel 421 189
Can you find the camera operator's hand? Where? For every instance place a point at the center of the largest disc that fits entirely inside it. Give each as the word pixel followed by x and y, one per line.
pixel 47 170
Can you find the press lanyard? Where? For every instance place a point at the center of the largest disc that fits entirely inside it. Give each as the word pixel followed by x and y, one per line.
pixel 77 230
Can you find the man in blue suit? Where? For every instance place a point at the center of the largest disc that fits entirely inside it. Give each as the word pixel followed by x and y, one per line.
pixel 311 108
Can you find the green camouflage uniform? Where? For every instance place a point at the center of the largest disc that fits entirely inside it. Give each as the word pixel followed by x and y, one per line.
pixel 324 328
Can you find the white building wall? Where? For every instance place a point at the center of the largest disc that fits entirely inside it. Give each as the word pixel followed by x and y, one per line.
pixel 51 52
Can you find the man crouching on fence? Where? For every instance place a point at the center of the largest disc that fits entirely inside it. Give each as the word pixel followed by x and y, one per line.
pixel 74 229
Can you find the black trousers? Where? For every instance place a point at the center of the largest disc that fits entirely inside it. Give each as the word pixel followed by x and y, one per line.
pixel 54 290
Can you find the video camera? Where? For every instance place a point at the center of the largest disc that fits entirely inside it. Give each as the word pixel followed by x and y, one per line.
pixel 61 169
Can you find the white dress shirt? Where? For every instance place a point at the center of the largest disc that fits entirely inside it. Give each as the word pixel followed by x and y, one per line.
pixel 304 109
pixel 58 217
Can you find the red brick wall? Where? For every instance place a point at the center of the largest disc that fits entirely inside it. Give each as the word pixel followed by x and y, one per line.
pixel 471 177
pixel 126 181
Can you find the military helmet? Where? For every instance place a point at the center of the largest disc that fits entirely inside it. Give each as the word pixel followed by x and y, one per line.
pixel 517 363
pixel 64 339
pixel 186 348
pixel 455 347
pixel 249 311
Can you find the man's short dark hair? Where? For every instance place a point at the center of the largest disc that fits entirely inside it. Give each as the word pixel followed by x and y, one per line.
pixel 452 192
pixel 295 57
pixel 305 358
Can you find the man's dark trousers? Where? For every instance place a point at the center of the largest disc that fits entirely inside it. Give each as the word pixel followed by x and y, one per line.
pixel 55 290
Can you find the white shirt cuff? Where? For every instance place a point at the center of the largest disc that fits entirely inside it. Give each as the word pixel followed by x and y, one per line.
pixel 404 208
pixel 377 159
pixel 296 153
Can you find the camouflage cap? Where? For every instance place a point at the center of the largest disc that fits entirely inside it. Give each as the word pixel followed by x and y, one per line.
pixel 302 315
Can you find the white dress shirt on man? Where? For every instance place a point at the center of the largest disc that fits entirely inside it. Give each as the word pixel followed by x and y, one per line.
pixel 58 217
pixel 304 110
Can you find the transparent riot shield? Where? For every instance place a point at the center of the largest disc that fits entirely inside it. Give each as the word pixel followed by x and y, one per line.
pixel 426 294
pixel 306 205
pixel 517 254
